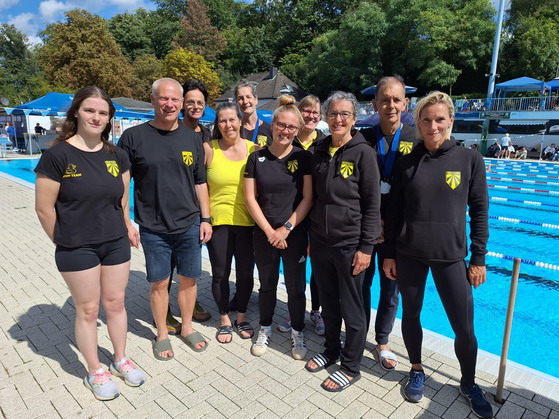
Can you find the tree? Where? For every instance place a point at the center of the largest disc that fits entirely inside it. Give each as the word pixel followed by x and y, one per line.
pixel 129 31
pixel 182 65
pixel 344 58
pixel 248 50
pixel 82 52
pixel 147 69
pixel 224 13
pixel 20 75
pixel 197 34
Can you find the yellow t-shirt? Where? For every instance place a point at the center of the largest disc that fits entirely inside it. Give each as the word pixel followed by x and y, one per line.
pixel 226 187
pixel 308 144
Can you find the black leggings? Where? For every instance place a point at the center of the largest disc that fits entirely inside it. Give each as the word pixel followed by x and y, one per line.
pixel 294 259
pixel 228 241
pixel 455 291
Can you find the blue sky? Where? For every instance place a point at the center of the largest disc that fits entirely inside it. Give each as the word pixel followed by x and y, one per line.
pixel 31 16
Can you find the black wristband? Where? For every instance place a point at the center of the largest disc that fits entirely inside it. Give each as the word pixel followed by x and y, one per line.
pixel 205 220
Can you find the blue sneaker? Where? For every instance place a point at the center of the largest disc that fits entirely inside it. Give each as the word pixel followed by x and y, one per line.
pixel 413 391
pixel 478 403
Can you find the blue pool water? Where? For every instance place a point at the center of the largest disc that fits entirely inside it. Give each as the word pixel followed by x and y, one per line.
pixel 535 335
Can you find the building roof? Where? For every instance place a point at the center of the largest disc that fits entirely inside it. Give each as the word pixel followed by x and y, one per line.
pixel 270 85
pixel 132 104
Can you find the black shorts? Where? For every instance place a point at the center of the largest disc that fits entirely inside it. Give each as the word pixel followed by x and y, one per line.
pixel 113 252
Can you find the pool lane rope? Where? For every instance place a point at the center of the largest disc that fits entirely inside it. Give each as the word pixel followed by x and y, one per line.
pixel 536 203
pixel 526 261
pixel 525 175
pixel 519 221
pixel 527 181
pixel 516 188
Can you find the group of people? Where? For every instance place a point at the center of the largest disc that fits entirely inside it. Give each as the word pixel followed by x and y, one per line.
pixel 263 194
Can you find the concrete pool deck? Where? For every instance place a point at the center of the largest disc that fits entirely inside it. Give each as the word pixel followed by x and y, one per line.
pixel 42 369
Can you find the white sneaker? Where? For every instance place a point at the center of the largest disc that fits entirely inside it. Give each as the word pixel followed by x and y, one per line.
pixel 298 347
pixel 101 385
pixel 260 347
pixel 133 376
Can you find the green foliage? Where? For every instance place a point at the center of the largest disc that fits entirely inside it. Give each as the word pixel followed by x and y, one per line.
pixel 223 13
pixel 147 69
pixel 248 50
pixel 181 65
pixel 82 52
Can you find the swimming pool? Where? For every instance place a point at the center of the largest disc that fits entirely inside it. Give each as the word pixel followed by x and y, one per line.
pixel 535 335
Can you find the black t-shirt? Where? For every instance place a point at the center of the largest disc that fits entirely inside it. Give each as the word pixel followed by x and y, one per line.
pixel 279 182
pixel 166 166
pixel 88 206
pixel 263 136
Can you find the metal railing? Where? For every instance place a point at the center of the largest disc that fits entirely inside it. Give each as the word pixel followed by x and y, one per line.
pixel 540 103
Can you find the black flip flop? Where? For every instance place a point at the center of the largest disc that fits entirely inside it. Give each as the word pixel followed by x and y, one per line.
pixel 321 361
pixel 341 380
pixel 244 327
pixel 224 330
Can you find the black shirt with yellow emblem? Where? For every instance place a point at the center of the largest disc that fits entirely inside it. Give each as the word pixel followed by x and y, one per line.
pixel 263 135
pixel 88 206
pixel 279 182
pixel 346 187
pixel 166 166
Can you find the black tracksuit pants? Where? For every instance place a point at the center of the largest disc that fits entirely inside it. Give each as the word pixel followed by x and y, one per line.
pixel 294 259
pixel 455 291
pixel 230 241
pixel 388 299
pixel 341 296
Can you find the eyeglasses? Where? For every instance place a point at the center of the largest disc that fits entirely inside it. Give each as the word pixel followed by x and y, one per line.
pixel 197 103
pixel 343 115
pixel 164 99
pixel 307 112
pixel 282 127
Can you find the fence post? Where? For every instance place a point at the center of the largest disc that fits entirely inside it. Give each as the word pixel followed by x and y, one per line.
pixel 508 327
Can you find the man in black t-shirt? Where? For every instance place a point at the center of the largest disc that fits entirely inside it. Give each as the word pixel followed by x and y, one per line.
pixel 391 139
pixel 171 205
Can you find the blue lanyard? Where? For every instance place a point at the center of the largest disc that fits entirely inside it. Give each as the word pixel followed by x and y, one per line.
pixel 386 159
pixel 255 132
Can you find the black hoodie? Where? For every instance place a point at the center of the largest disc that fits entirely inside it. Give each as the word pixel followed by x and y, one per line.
pixel 430 193
pixel 346 209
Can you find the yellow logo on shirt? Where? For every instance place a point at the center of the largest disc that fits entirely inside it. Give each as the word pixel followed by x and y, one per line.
pixel 453 179
pixel 262 140
pixel 292 165
pixel 346 169
pixel 112 167
pixel 187 158
pixel 405 147
pixel 71 171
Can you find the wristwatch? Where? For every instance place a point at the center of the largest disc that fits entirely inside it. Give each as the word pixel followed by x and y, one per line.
pixel 288 225
pixel 206 220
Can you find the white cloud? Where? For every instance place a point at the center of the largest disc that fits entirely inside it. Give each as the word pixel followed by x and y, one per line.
pixel 6 4
pixel 51 10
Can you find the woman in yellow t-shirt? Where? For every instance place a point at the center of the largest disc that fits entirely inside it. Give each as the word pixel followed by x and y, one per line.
pixel 226 158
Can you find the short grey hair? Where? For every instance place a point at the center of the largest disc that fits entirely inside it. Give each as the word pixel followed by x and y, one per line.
pixel 387 80
pixel 245 83
pixel 156 83
pixel 339 95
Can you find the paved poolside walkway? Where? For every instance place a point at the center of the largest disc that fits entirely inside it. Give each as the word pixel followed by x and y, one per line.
pixel 41 374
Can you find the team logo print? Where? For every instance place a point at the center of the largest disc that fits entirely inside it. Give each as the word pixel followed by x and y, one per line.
pixel 261 159
pixel 405 147
pixel 453 179
pixel 71 171
pixel 346 169
pixel 187 158
pixel 262 140
pixel 292 165
pixel 112 167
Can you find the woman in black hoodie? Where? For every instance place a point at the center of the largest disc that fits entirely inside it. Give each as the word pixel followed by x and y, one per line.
pixel 426 230
pixel 345 225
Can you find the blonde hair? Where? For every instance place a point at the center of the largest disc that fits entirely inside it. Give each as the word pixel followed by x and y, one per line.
pixel 431 99
pixel 287 103
pixel 309 100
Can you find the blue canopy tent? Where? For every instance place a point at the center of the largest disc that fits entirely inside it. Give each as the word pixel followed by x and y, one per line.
pixel 553 84
pixel 372 90
pixel 521 84
pixel 50 104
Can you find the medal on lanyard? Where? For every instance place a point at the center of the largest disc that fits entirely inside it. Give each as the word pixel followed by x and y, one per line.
pixel 255 132
pixel 387 158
